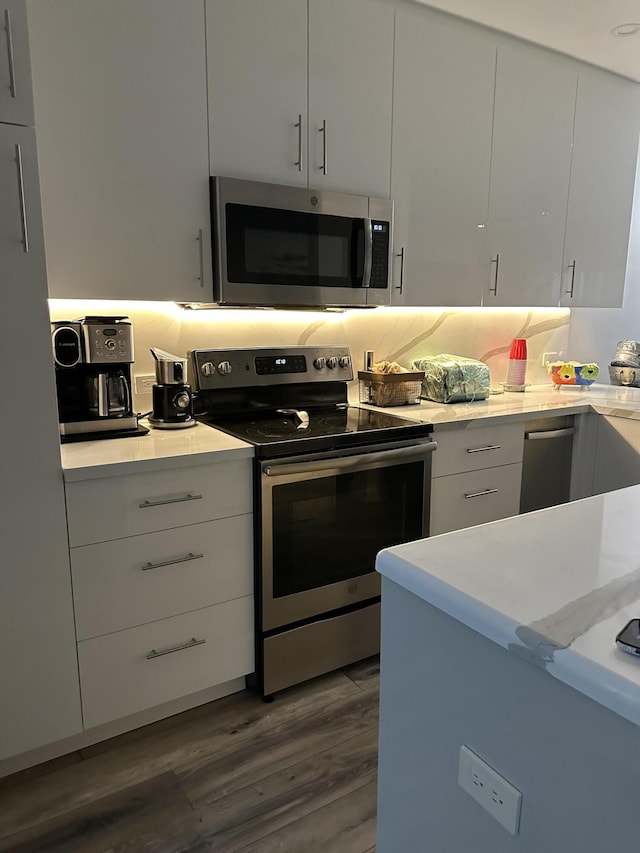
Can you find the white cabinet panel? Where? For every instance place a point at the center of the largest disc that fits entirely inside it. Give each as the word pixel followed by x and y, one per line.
pixel 115 507
pixel 617 458
pixel 474 497
pixel 16 98
pixel 117 585
pixel 120 97
pixel 350 93
pixel 257 70
pixel 477 447
pixel 443 105
pixel 603 168
pixel 123 673
pixel 282 71
pixel 532 136
pixel 39 694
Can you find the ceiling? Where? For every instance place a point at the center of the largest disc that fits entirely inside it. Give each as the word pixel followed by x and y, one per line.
pixel 581 28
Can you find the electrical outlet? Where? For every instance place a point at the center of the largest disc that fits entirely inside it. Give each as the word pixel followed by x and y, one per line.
pixel 143 383
pixel 490 790
pixel 550 356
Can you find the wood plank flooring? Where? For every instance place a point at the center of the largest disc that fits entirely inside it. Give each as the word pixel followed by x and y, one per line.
pixel 234 776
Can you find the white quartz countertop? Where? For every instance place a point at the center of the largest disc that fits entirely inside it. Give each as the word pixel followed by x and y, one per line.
pixel 536 401
pixel 161 448
pixel 176 448
pixel 553 587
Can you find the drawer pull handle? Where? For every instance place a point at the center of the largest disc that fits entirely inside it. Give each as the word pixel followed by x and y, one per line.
pixel 482 449
pixel 187 497
pixel 480 494
pixel 162 563
pixel 156 653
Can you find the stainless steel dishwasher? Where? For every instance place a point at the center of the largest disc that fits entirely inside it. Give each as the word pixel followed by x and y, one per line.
pixel 546 464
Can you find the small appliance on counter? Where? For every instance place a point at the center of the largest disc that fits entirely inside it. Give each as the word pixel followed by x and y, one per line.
pixel 172 407
pixel 625 367
pixel 93 358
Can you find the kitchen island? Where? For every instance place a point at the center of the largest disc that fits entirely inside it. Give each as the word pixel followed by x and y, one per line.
pixel 501 638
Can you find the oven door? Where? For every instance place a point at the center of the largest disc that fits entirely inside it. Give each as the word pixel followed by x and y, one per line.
pixel 324 519
pixel 278 245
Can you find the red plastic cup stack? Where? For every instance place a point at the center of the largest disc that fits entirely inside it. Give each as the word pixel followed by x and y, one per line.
pixel 517 369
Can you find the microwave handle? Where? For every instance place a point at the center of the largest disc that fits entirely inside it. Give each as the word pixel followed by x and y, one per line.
pixel 368 252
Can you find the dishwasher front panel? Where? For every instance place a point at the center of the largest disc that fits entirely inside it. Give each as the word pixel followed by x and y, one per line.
pixel 546 464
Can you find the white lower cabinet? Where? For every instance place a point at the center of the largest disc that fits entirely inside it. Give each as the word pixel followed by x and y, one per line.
pixel 162 567
pixel 617 457
pixel 475 497
pixel 476 476
pixel 132 581
pixel 131 670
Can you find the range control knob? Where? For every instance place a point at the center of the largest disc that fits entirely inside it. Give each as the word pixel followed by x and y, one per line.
pixel 344 361
pixel 208 368
pixel 224 368
pixel 332 362
pixel 319 362
pixel 181 400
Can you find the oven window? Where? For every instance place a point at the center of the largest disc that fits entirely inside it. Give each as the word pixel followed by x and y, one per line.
pixel 270 246
pixel 330 529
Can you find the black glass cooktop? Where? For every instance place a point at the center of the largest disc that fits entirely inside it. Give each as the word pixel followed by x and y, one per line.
pixel 288 431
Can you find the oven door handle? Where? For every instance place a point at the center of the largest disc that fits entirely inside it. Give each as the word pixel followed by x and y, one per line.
pixel 351 463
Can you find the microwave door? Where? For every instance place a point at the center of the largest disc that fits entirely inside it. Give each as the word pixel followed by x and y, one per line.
pixel 286 257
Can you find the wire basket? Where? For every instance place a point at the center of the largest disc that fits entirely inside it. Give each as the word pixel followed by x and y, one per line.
pixel 390 389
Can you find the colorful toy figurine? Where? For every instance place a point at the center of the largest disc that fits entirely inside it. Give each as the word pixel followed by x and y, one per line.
pixel 572 373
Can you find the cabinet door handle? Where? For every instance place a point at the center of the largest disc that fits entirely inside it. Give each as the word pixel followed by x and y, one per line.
pixel 156 653
pixel 23 209
pixel 298 124
pixel 546 434
pixel 572 267
pixel 400 255
pixel 188 497
pixel 12 68
pixel 200 277
pixel 496 261
pixel 323 131
pixel 161 563
pixel 482 449
pixel 479 494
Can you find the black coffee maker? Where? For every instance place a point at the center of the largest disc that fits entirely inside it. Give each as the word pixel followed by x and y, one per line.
pixel 93 357
pixel 172 407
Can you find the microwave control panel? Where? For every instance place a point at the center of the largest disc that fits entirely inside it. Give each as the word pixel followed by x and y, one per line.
pixel 379 254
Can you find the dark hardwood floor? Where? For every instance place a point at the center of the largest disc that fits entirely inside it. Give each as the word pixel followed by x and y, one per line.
pixel 294 776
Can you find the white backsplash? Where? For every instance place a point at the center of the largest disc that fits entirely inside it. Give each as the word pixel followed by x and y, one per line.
pixel 396 334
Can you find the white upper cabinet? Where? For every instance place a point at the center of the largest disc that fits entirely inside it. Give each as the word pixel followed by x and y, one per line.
pixel 603 168
pixel 531 157
pixel 443 104
pixel 120 97
pixel 350 95
pixel 257 68
pixel 16 100
pixel 300 92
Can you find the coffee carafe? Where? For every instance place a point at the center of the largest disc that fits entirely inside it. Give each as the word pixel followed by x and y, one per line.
pixel 172 407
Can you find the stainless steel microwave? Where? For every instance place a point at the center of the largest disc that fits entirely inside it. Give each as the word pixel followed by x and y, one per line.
pixel 287 246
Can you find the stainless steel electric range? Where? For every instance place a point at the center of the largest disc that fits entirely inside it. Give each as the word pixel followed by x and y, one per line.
pixel 333 485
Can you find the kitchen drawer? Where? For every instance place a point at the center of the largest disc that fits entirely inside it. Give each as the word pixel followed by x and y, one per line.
pixel 114 507
pixel 477 447
pixel 475 497
pixel 118 678
pixel 128 582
